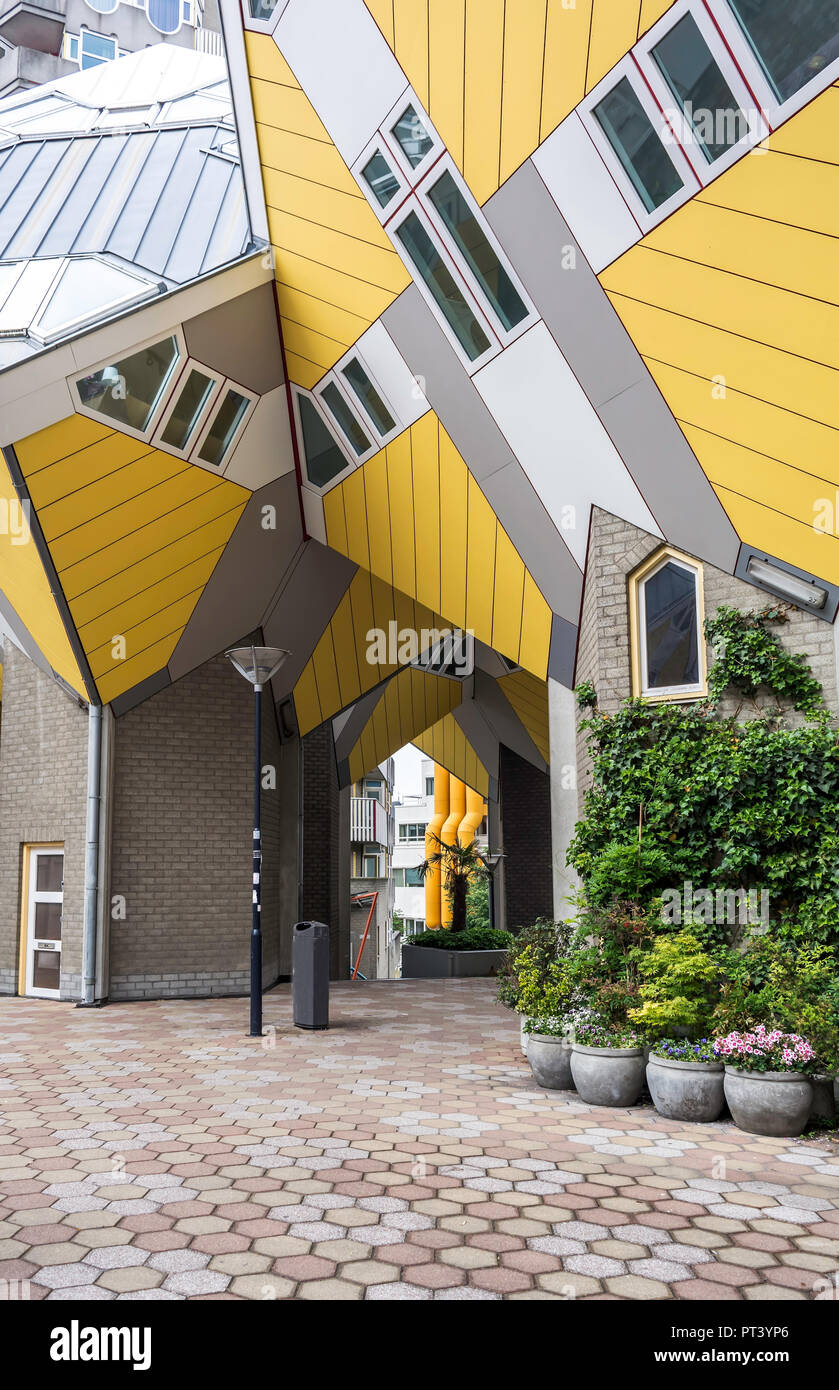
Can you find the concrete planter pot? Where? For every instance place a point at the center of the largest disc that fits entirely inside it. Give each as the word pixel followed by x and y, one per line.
pixel 550 1061
pixel 824 1097
pixel 608 1075
pixel 775 1103
pixel 525 1037
pixel 434 963
pixel 691 1091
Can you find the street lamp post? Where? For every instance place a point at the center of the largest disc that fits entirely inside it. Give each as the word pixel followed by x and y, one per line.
pixel 257 665
pixel 491 862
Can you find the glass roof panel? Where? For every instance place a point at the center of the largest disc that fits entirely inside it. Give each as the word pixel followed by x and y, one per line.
pixel 88 289
pixel 25 299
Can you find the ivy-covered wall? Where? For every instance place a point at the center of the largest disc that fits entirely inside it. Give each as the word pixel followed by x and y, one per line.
pixel 616 549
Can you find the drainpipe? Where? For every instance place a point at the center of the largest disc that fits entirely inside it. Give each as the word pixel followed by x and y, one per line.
pixel 91 863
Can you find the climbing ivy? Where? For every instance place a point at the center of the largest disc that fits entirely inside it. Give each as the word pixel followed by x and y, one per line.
pixel 721 803
pixel 748 658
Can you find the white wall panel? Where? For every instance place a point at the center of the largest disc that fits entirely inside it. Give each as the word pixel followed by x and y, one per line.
pixel 35 411
pixel 553 429
pixel 343 63
pixel 264 451
pixel 586 194
pixel 313 514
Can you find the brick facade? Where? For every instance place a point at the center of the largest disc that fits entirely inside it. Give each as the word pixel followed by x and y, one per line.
pixel 526 830
pixel 181 840
pixel 43 786
pixel 616 549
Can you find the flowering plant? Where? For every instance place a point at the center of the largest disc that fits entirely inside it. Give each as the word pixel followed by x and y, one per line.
pixel 765 1051
pixel 551 1026
pixel 677 1050
pixel 596 1034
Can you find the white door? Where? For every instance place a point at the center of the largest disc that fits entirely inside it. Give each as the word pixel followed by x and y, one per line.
pixel 46 901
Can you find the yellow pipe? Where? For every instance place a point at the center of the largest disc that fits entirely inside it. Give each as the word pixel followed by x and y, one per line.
pixel 433 916
pixel 475 812
pixel 457 810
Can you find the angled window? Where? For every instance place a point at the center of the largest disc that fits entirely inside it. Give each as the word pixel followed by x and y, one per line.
pixel 129 391
pixel 345 419
pixel 471 240
pixel 189 404
pixel 323 457
pixel 442 287
pixel 224 427
pixel 668 644
pixel 792 42
pixel 696 81
pixel 637 145
pixel 370 399
pixel 412 136
pixel 382 182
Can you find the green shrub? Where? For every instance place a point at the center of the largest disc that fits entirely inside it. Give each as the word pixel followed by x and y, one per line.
pixel 785 985
pixel 549 941
pixel 679 986
pixel 473 939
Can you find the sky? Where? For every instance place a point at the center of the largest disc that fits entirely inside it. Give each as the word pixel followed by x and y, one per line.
pixel 408 776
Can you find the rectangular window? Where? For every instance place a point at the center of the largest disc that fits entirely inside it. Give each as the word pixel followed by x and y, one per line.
pixel 413 878
pixel 412 834
pixel 441 285
pixel 323 458
pixel 793 40
pixel 638 146
pixel 371 866
pixel 224 427
pixel 345 419
pixel 96 49
pixel 188 409
pixel 475 247
pixel 429 786
pixel 698 85
pixel 399 878
pixel 369 396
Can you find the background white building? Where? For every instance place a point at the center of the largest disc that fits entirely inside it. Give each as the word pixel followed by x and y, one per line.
pixel 371 841
pixel 411 814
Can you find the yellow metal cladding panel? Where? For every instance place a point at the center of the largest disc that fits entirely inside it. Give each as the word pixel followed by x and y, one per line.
pixel 334 265
pixel 410 704
pixel 497 76
pixel 448 745
pixel 26 587
pixel 134 533
pixel 734 304
pixel 529 698
pixel 415 515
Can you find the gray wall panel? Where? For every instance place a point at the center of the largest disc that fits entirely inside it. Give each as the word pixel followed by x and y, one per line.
pixel 609 368
pixel 520 511
pixel 241 339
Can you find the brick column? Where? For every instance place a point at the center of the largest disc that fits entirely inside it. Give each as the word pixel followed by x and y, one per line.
pixel 525 796
pixel 325 883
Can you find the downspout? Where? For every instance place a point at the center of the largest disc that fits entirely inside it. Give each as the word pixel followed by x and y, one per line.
pixel 91 863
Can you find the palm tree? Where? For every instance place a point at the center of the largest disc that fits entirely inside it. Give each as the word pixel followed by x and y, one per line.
pixel 460 865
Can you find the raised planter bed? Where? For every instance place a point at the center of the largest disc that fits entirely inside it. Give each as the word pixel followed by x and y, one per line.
pixel 434 963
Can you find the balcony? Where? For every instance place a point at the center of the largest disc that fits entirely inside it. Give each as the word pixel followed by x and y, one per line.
pixel 368 821
pixel 36 24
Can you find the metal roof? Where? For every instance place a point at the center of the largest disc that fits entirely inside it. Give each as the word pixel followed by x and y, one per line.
pixel 131 170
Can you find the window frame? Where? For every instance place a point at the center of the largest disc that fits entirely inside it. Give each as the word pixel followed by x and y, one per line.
pixel 147 290
pixel 775 112
pixel 412 174
pixel 227 384
pixel 417 206
pixel 331 379
pixel 218 381
pixel 169 385
pixel 109 38
pixel 629 69
pixel 681 694
pixel 320 488
pixel 446 165
pixel 262 26
pixel 743 94
pixel 378 144
pixel 367 420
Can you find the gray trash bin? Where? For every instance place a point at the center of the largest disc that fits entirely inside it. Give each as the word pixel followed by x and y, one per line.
pixel 310 975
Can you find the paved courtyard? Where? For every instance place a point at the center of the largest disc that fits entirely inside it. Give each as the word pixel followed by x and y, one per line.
pixel 153 1151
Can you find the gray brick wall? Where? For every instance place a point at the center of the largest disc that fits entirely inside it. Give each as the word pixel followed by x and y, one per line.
pixel 43 779
pixel 616 549
pixel 181 841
